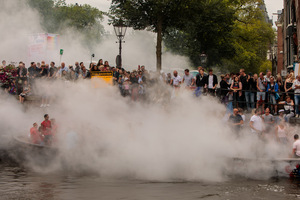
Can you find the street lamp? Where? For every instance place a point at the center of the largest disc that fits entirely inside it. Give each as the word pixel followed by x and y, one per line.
pixel 120 30
pixel 203 59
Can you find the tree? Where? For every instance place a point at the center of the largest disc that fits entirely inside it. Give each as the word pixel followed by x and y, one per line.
pixel 234 34
pixel 209 31
pixel 58 16
pixel 154 15
pixel 83 18
pixel 252 37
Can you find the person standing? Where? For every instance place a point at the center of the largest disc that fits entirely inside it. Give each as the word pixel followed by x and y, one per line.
pixel 52 71
pixel 280 117
pixel 236 120
pixel 288 85
pixel 236 87
pixel 176 80
pixel 22 71
pixel 46 129
pixel 224 86
pixel 188 79
pixel 211 82
pixel 296 87
pixel 261 90
pixel 33 72
pixel 273 93
pixel 134 85
pixel 296 146
pixel 281 133
pixel 200 82
pixel 268 120
pixel 247 86
pixel 280 83
pixel 62 69
pixel 256 123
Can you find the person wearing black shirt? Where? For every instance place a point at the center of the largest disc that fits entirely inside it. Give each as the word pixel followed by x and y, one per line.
pixel 243 79
pixel 134 81
pixel 22 71
pixel 211 82
pixel 44 71
pixel 236 120
pixel 249 93
pixel 224 86
pixel 200 82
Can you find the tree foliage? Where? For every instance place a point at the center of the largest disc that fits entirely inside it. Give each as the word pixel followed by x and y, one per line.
pixel 154 15
pixel 253 36
pixel 57 16
pixel 234 34
pixel 208 31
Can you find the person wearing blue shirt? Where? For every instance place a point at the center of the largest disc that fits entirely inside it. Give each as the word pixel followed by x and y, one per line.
pixel 272 89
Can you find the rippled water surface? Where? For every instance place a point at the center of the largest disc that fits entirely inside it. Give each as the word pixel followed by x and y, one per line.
pixel 20 183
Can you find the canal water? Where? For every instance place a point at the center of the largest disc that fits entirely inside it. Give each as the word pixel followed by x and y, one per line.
pixel 18 182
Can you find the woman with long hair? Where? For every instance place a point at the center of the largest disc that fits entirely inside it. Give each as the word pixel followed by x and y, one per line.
pixel 280 83
pixel 100 62
pixel 236 86
pixel 288 85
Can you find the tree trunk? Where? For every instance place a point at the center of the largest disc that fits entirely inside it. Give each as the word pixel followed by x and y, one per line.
pixel 159 45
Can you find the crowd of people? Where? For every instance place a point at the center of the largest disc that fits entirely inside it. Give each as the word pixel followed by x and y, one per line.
pixel 21 80
pixel 273 100
pixel 235 90
pixel 247 91
pixel 266 127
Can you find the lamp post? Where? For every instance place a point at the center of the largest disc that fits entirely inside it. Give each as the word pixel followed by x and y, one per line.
pixel 120 30
pixel 203 59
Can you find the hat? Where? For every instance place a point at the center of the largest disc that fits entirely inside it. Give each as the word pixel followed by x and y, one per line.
pixel 281 110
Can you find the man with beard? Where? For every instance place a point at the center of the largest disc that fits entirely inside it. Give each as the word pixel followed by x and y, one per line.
pixel 176 80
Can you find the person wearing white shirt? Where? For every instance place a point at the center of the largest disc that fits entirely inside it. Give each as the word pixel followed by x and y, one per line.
pixel 211 82
pixel 296 87
pixel 176 80
pixel 296 146
pixel 63 68
pixel 256 123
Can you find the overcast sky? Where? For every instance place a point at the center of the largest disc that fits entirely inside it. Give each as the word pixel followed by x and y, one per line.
pixel 272 5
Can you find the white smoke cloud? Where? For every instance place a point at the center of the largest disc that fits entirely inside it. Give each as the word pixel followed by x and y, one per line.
pixel 179 139
pixel 20 21
pixel 103 133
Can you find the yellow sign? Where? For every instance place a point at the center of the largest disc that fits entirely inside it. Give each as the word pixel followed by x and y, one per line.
pixel 105 76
